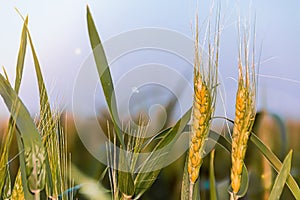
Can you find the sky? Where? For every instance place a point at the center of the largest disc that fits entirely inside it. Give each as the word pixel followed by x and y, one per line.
pixel 60 36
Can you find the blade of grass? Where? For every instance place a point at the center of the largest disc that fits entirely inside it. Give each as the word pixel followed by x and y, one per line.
pixel 104 73
pixel 11 125
pixel 185 184
pixel 30 136
pixel 212 182
pixel 144 180
pixel 89 187
pixel 21 57
pixel 276 164
pixel 281 177
pixel 271 157
pixel 46 124
pixel 7 186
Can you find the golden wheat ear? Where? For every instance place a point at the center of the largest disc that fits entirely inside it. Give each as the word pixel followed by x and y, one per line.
pixel 205 81
pixel 244 117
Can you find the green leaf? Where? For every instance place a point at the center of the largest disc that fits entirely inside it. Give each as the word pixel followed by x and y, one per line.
pixel 104 74
pixel 173 133
pixel 144 180
pixel 46 124
pixel 88 187
pixel 26 191
pixel 281 177
pixel 185 184
pixel 11 125
pixel 7 186
pixel 276 164
pixel 30 136
pixel 274 161
pixel 196 190
pixel 21 57
pixel 212 182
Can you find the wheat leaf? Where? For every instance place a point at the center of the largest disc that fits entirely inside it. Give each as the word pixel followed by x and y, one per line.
pixel 88 187
pixel 21 57
pixel 29 134
pixel 104 74
pixel 46 121
pixel 144 180
pixel 276 164
pixel 7 186
pixel 281 177
pixel 11 124
pixel 185 184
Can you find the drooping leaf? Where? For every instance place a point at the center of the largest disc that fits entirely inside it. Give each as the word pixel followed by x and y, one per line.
pixel 149 172
pixel 281 177
pixel 173 133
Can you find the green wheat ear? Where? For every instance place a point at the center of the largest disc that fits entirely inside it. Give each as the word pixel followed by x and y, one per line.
pixel 35 168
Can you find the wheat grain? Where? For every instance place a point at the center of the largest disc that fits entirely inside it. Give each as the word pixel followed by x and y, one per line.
pixel 201 117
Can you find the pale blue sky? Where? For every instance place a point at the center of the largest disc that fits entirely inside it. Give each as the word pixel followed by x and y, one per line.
pixel 60 35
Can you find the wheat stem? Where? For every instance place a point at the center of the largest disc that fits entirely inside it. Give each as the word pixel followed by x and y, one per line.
pixel 191 190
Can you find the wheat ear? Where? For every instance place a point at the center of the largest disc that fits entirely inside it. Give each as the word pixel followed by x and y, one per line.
pixel 205 84
pixel 244 118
